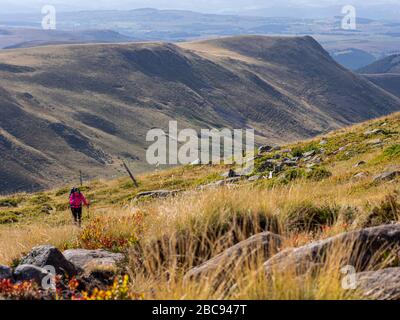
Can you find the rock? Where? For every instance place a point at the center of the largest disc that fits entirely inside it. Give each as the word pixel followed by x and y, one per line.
pixel 362 247
pixel 379 285
pixel 254 178
pixel 372 132
pixel 374 142
pixel 93 259
pixel 230 180
pixel 277 156
pixel 323 142
pixel 5 272
pixel 360 175
pixel 47 209
pixel 276 148
pixel 28 272
pixel 317 159
pixel 286 150
pixel 310 165
pixel 221 183
pixel 359 164
pixel 290 163
pixel 196 162
pixel 277 168
pixel 265 148
pixel 264 244
pixel 157 194
pixel 309 154
pixel 50 256
pixel 387 176
pixel 268 164
pixel 230 174
pixel 306 159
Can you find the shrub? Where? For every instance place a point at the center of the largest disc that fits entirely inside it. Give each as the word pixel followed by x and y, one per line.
pixel 63 191
pixel 8 202
pixel 307 217
pixel 392 151
pixel 40 198
pixel 291 175
pixel 318 173
pixel 18 291
pixel 386 212
pixel 8 217
pixel 298 151
pixel 120 290
pixel 111 233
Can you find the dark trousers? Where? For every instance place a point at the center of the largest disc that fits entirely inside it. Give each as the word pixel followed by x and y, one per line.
pixel 77 213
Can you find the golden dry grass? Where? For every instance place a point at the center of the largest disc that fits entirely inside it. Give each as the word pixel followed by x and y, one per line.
pixel 210 217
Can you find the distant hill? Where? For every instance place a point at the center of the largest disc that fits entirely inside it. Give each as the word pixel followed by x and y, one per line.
pixel 353 59
pixel 79 107
pixel 12 38
pixel 390 64
pixel 385 73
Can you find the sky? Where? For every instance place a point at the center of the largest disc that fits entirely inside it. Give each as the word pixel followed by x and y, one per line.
pixel 210 6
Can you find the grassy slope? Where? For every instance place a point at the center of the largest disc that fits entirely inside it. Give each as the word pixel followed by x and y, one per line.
pixel 114 218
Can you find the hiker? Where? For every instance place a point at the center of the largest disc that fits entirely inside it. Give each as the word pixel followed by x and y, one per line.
pixel 76 201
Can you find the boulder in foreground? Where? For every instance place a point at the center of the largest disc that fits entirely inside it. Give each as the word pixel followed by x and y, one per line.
pixel 47 255
pixel 261 245
pixel 28 272
pixel 92 259
pixel 5 272
pixel 362 249
pixel 380 285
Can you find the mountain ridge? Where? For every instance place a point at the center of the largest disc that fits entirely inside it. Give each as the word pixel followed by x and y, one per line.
pixel 385 73
pixel 92 104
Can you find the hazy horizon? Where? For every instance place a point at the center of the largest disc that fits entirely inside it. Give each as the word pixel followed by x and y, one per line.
pixel 391 8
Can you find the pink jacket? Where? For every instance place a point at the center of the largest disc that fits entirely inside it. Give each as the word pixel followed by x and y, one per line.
pixel 77 199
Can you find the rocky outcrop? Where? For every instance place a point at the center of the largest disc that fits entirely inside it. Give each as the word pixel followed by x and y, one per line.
pixel 93 259
pixel 5 272
pixel 262 246
pixel 361 249
pixel 28 272
pixel 387 175
pixel 94 268
pixel 265 148
pixel 157 194
pixel 380 285
pixel 47 255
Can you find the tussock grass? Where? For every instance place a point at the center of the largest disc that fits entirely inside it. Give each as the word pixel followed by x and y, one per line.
pixel 164 238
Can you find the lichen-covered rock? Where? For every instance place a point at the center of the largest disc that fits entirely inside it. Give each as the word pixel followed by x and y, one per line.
pixel 362 249
pixel 92 259
pixel 47 255
pixel 379 285
pixel 264 244
pixel 157 194
pixel 5 272
pixel 28 272
pixel 387 175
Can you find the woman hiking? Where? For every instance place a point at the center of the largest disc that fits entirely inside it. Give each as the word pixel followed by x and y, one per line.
pixel 76 201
